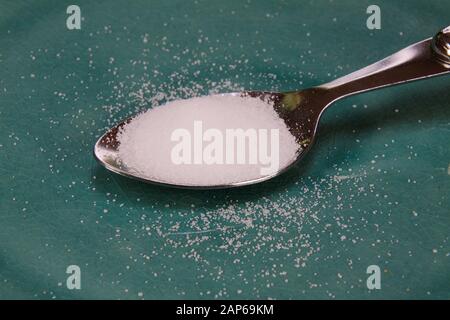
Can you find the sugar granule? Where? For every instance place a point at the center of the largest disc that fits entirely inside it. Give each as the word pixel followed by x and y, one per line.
pixel 146 146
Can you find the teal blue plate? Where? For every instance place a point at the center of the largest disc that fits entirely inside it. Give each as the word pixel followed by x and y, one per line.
pixel 374 190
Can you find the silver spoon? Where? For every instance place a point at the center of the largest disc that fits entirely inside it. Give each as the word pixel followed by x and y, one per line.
pixel 301 110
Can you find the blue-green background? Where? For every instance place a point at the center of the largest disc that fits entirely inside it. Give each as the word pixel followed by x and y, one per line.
pixel 375 189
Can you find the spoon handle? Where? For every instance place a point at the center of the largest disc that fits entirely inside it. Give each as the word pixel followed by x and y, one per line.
pixel 427 58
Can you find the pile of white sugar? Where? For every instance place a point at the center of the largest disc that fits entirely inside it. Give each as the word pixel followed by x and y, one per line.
pixel 190 142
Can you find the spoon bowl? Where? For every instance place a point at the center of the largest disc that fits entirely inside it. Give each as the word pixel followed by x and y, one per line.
pixel 106 149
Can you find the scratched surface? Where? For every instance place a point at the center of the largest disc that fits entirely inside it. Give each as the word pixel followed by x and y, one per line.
pixel 375 190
